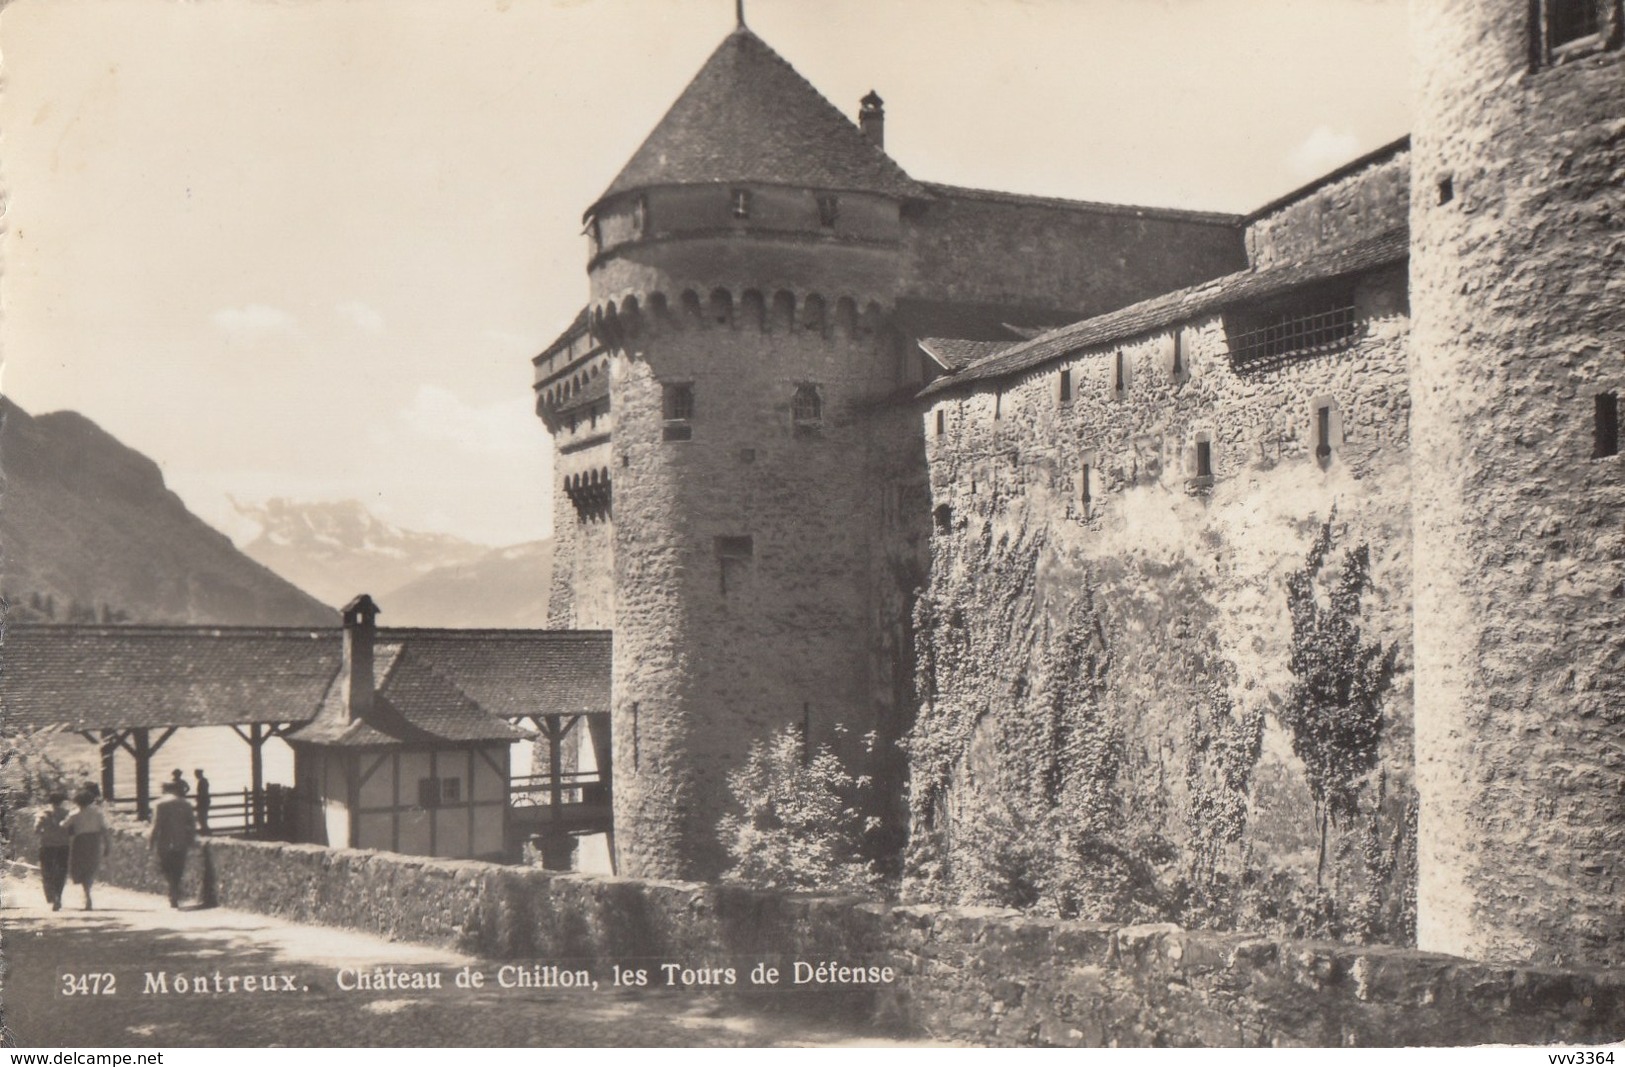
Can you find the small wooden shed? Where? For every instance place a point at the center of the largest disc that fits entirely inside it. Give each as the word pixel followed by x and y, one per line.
pixel 398 757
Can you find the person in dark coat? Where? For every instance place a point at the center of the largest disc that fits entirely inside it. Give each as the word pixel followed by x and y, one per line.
pixel 177 778
pixel 171 838
pixel 54 839
pixel 202 802
pixel 91 841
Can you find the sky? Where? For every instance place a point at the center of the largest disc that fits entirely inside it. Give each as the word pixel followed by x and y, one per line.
pixel 306 249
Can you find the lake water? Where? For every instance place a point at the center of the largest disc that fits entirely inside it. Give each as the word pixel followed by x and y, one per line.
pixel 225 760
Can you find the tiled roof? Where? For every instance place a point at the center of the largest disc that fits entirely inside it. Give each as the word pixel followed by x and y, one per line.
pixel 91 677
pixel 954 354
pixel 413 704
pixel 514 673
pixel 749 117
pixel 1163 311
pixel 957 192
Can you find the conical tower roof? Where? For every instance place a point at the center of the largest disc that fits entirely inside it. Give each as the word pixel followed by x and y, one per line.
pixel 749 117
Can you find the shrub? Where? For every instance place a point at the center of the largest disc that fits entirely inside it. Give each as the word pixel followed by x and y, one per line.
pixel 799 822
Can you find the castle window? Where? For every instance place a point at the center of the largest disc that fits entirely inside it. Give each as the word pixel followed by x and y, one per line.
pixel 1086 489
pixel 741 203
pixel 1327 430
pixel 943 517
pixel 1120 376
pixel 1201 467
pixel 1179 368
pixel 640 216
pixel 677 402
pixel 807 407
pixel 829 209
pixel 1565 29
pixel 942 422
pixel 1607 428
pixel 1066 386
pixel 1304 324
pixel 734 554
pixel 1447 189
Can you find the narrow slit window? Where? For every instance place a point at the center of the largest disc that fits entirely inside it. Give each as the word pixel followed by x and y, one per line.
pixel 741 203
pixel 1086 494
pixel 1120 375
pixel 1323 432
pixel 829 210
pixel 1204 459
pixel 1179 356
pixel 1066 386
pixel 1607 426
pixel 942 423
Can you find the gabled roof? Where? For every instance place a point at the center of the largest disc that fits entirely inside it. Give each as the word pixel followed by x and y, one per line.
pixel 412 704
pixel 1160 312
pixel 749 117
pixel 95 677
pixel 953 354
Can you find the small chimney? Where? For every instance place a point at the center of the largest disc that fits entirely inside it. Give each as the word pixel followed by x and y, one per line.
pixel 872 118
pixel 360 628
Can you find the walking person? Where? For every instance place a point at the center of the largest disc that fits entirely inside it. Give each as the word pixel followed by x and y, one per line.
pixel 91 841
pixel 54 839
pixel 202 802
pixel 171 837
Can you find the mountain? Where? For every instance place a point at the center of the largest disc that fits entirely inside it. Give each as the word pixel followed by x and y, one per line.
pixel 89 532
pixel 507 587
pixel 337 549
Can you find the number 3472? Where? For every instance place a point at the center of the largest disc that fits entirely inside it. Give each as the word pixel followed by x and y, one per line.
pixel 89 985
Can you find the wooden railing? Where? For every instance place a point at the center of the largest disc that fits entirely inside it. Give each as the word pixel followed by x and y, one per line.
pixel 268 814
pixel 574 787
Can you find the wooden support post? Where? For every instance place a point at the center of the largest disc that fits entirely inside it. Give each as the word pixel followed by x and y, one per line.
pixel 109 747
pixel 256 764
pixel 143 774
pixel 555 764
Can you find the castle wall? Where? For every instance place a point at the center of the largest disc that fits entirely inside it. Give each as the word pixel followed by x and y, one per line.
pixel 1373 200
pixel 1024 254
pixel 1059 626
pixel 1517 279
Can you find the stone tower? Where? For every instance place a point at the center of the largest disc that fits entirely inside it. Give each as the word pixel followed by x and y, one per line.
pixel 1517 280
pixel 741 486
pixel 742 268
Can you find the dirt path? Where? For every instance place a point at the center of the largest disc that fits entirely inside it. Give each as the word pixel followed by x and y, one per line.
pixel 137 938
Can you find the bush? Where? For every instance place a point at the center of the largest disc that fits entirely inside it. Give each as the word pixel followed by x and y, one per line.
pixel 799 822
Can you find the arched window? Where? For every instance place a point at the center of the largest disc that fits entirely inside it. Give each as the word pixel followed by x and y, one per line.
pixel 807 407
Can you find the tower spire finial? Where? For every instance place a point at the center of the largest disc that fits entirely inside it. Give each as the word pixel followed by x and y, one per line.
pixel 739 13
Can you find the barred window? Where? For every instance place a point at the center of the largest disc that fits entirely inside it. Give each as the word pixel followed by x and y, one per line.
pixel 677 400
pixel 1308 324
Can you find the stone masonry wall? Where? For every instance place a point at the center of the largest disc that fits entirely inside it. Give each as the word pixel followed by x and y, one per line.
pixel 1123 624
pixel 974 975
pixel 1371 201
pixel 744 575
pixel 1517 280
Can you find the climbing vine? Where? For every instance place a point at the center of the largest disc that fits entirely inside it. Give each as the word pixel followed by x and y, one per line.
pixel 1334 710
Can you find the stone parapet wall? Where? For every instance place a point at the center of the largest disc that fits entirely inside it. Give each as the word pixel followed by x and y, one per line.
pixel 978 975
